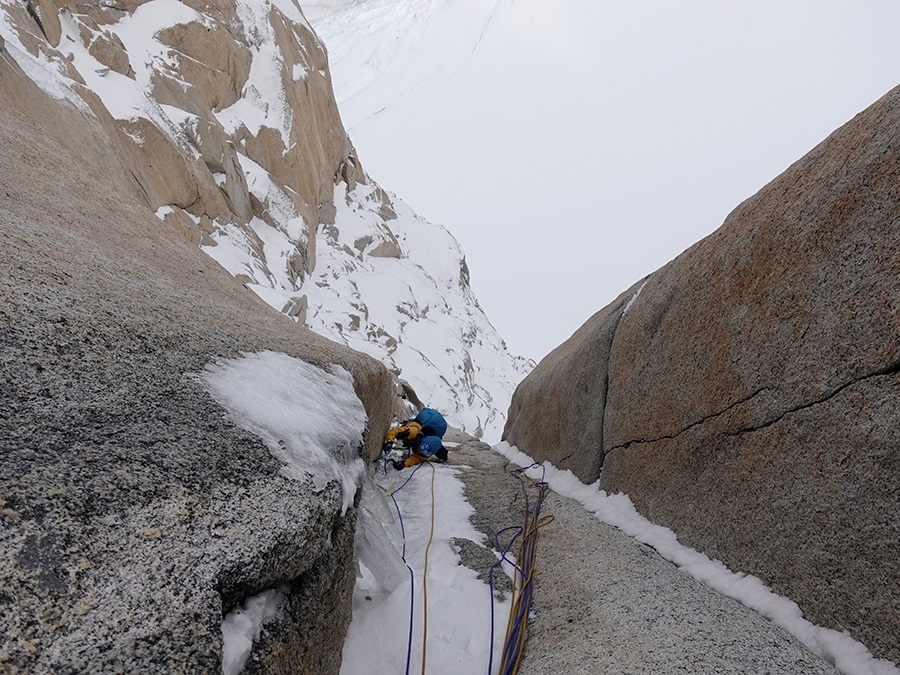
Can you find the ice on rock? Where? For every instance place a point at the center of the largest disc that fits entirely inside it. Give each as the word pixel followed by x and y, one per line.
pixel 244 625
pixel 378 539
pixel 309 418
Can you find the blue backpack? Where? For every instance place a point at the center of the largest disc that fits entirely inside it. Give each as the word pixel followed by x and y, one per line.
pixel 433 423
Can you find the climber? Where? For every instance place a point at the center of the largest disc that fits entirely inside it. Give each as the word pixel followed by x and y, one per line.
pixel 422 434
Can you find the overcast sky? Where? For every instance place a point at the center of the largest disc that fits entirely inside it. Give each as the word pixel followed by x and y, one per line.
pixel 575 146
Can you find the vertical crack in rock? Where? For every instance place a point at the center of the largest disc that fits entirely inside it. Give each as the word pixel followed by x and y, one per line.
pixel 617 315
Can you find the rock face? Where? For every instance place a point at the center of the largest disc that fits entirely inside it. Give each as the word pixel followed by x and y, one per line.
pixel 571 384
pixel 134 514
pixel 171 85
pixel 747 398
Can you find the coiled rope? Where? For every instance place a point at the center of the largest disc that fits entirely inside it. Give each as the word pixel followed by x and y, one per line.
pixel 523 586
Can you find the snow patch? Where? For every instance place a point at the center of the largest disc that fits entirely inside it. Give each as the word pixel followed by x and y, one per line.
pixel 459 604
pixel 310 418
pixel 264 102
pixel 633 298
pixel 242 627
pixel 164 211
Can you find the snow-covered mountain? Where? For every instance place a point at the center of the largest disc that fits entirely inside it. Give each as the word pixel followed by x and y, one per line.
pixel 396 53
pixel 394 286
pixel 228 125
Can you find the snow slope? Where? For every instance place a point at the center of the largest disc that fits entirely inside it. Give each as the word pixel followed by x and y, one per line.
pixel 416 313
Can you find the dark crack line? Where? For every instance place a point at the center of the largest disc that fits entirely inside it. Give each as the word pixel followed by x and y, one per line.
pixel 693 425
pixel 620 310
pixel 569 456
pixel 892 369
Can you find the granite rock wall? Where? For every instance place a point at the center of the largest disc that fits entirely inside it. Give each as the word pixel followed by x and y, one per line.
pixel 748 396
pixel 134 513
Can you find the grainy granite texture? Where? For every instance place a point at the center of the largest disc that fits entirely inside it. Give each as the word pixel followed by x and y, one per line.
pixel 133 514
pixel 605 604
pixel 750 392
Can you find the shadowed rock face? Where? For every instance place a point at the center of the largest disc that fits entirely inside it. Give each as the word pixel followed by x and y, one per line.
pixel 754 383
pixel 571 384
pixel 134 514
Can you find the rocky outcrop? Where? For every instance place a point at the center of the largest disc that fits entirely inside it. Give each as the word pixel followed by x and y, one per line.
pixel 747 398
pixel 180 108
pixel 134 513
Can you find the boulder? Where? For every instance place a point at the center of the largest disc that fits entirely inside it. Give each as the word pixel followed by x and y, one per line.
pixel 163 172
pixel 47 17
pixel 183 224
pixel 106 47
pixel 210 61
pixel 752 386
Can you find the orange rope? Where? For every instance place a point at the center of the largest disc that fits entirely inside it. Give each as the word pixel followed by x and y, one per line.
pixel 526 560
pixel 425 575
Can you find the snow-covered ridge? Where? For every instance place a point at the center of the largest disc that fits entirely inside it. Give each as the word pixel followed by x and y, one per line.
pixel 398 291
pixel 227 121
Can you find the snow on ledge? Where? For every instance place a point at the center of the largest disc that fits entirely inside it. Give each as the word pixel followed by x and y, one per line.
pixel 634 297
pixel 848 655
pixel 311 419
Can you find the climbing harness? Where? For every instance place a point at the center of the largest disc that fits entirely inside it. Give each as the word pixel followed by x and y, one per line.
pixel 523 587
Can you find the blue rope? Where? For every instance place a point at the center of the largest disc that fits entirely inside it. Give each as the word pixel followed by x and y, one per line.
pixel 522 607
pixel 523 567
pixel 412 579
pixel 503 551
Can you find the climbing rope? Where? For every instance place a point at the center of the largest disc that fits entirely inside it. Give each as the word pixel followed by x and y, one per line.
pixel 412 580
pixel 523 587
pixel 504 550
pixel 524 566
pixel 425 574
